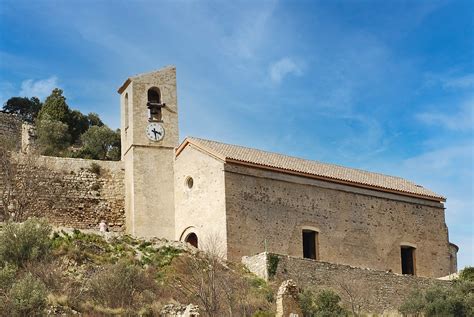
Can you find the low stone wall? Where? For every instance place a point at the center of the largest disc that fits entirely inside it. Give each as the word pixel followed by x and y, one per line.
pixel 74 194
pixel 373 291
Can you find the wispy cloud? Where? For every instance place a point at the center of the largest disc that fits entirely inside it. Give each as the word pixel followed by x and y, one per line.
pixel 464 82
pixel 249 33
pixel 461 120
pixel 284 67
pixel 441 160
pixel 38 88
pixel 449 80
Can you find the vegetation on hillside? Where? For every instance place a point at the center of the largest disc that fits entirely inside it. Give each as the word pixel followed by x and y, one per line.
pixel 62 131
pixel 326 303
pixel 65 273
pixel 457 301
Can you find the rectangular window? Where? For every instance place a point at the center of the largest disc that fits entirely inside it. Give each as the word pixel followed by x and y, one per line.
pixel 408 260
pixel 310 244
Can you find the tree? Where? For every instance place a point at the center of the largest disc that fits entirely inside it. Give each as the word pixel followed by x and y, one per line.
pixel 99 142
pixel 94 119
pixel 53 136
pixel 78 124
pixel 27 109
pixel 451 300
pixel 55 107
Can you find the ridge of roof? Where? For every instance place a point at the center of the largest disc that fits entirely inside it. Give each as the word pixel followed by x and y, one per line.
pixel 230 153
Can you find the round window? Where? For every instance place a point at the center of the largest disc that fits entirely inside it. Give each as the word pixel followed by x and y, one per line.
pixel 189 182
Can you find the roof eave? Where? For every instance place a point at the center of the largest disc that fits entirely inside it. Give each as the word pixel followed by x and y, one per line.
pixel 124 86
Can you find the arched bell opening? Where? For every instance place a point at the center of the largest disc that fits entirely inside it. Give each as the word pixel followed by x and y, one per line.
pixel 154 104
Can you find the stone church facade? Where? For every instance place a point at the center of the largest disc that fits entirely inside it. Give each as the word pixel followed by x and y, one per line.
pixel 253 201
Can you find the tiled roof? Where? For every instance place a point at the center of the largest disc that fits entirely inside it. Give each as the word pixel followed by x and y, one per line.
pixel 294 165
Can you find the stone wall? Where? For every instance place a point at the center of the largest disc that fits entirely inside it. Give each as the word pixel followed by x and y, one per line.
pixel 10 128
pixel 72 193
pixel 200 208
pixel 268 210
pixel 375 291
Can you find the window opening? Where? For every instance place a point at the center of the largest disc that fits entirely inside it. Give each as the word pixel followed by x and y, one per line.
pixel 189 182
pixel 126 111
pixel 310 246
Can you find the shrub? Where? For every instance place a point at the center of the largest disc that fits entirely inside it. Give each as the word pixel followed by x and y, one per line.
pixel 7 277
pixel 95 168
pixel 467 274
pixel 23 242
pixel 121 285
pixel 50 273
pixel 272 265
pixel 324 304
pixel 27 297
pixel 455 300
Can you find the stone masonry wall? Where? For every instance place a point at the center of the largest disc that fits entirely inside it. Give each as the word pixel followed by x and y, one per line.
pixel 73 194
pixel 375 291
pixel 267 211
pixel 10 127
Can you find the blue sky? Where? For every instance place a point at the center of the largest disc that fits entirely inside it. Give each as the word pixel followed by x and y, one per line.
pixel 386 86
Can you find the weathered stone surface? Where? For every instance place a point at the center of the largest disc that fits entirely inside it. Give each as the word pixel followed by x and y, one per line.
pixel 11 127
pixel 373 291
pixel 77 197
pixel 267 210
pixel 287 304
pixel 200 209
pixel 178 310
pixel 149 172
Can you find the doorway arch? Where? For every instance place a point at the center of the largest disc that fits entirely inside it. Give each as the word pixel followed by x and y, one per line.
pixel 192 239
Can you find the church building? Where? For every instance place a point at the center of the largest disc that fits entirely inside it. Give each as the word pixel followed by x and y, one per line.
pixel 253 201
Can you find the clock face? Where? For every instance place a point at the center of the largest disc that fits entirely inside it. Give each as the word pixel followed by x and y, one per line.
pixel 155 131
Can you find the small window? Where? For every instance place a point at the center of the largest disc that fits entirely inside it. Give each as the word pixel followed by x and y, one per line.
pixel 310 244
pixel 408 260
pixel 189 182
pixel 126 105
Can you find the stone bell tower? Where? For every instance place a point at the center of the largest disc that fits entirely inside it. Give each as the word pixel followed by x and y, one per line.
pixel 149 116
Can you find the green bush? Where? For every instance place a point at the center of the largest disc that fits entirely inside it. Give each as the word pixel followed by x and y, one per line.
pixel 95 168
pixel 24 242
pixel 456 300
pixel 7 277
pixel 467 274
pixel 272 265
pixel 324 304
pixel 27 297
pixel 121 285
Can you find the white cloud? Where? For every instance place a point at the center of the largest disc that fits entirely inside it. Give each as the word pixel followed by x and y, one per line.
pixel 466 81
pixel 38 88
pixel 284 67
pixel 250 32
pixel 462 120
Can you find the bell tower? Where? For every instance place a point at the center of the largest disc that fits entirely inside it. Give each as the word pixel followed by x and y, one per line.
pixel 149 128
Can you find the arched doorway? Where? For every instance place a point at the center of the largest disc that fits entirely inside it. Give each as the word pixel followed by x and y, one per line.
pixel 192 239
